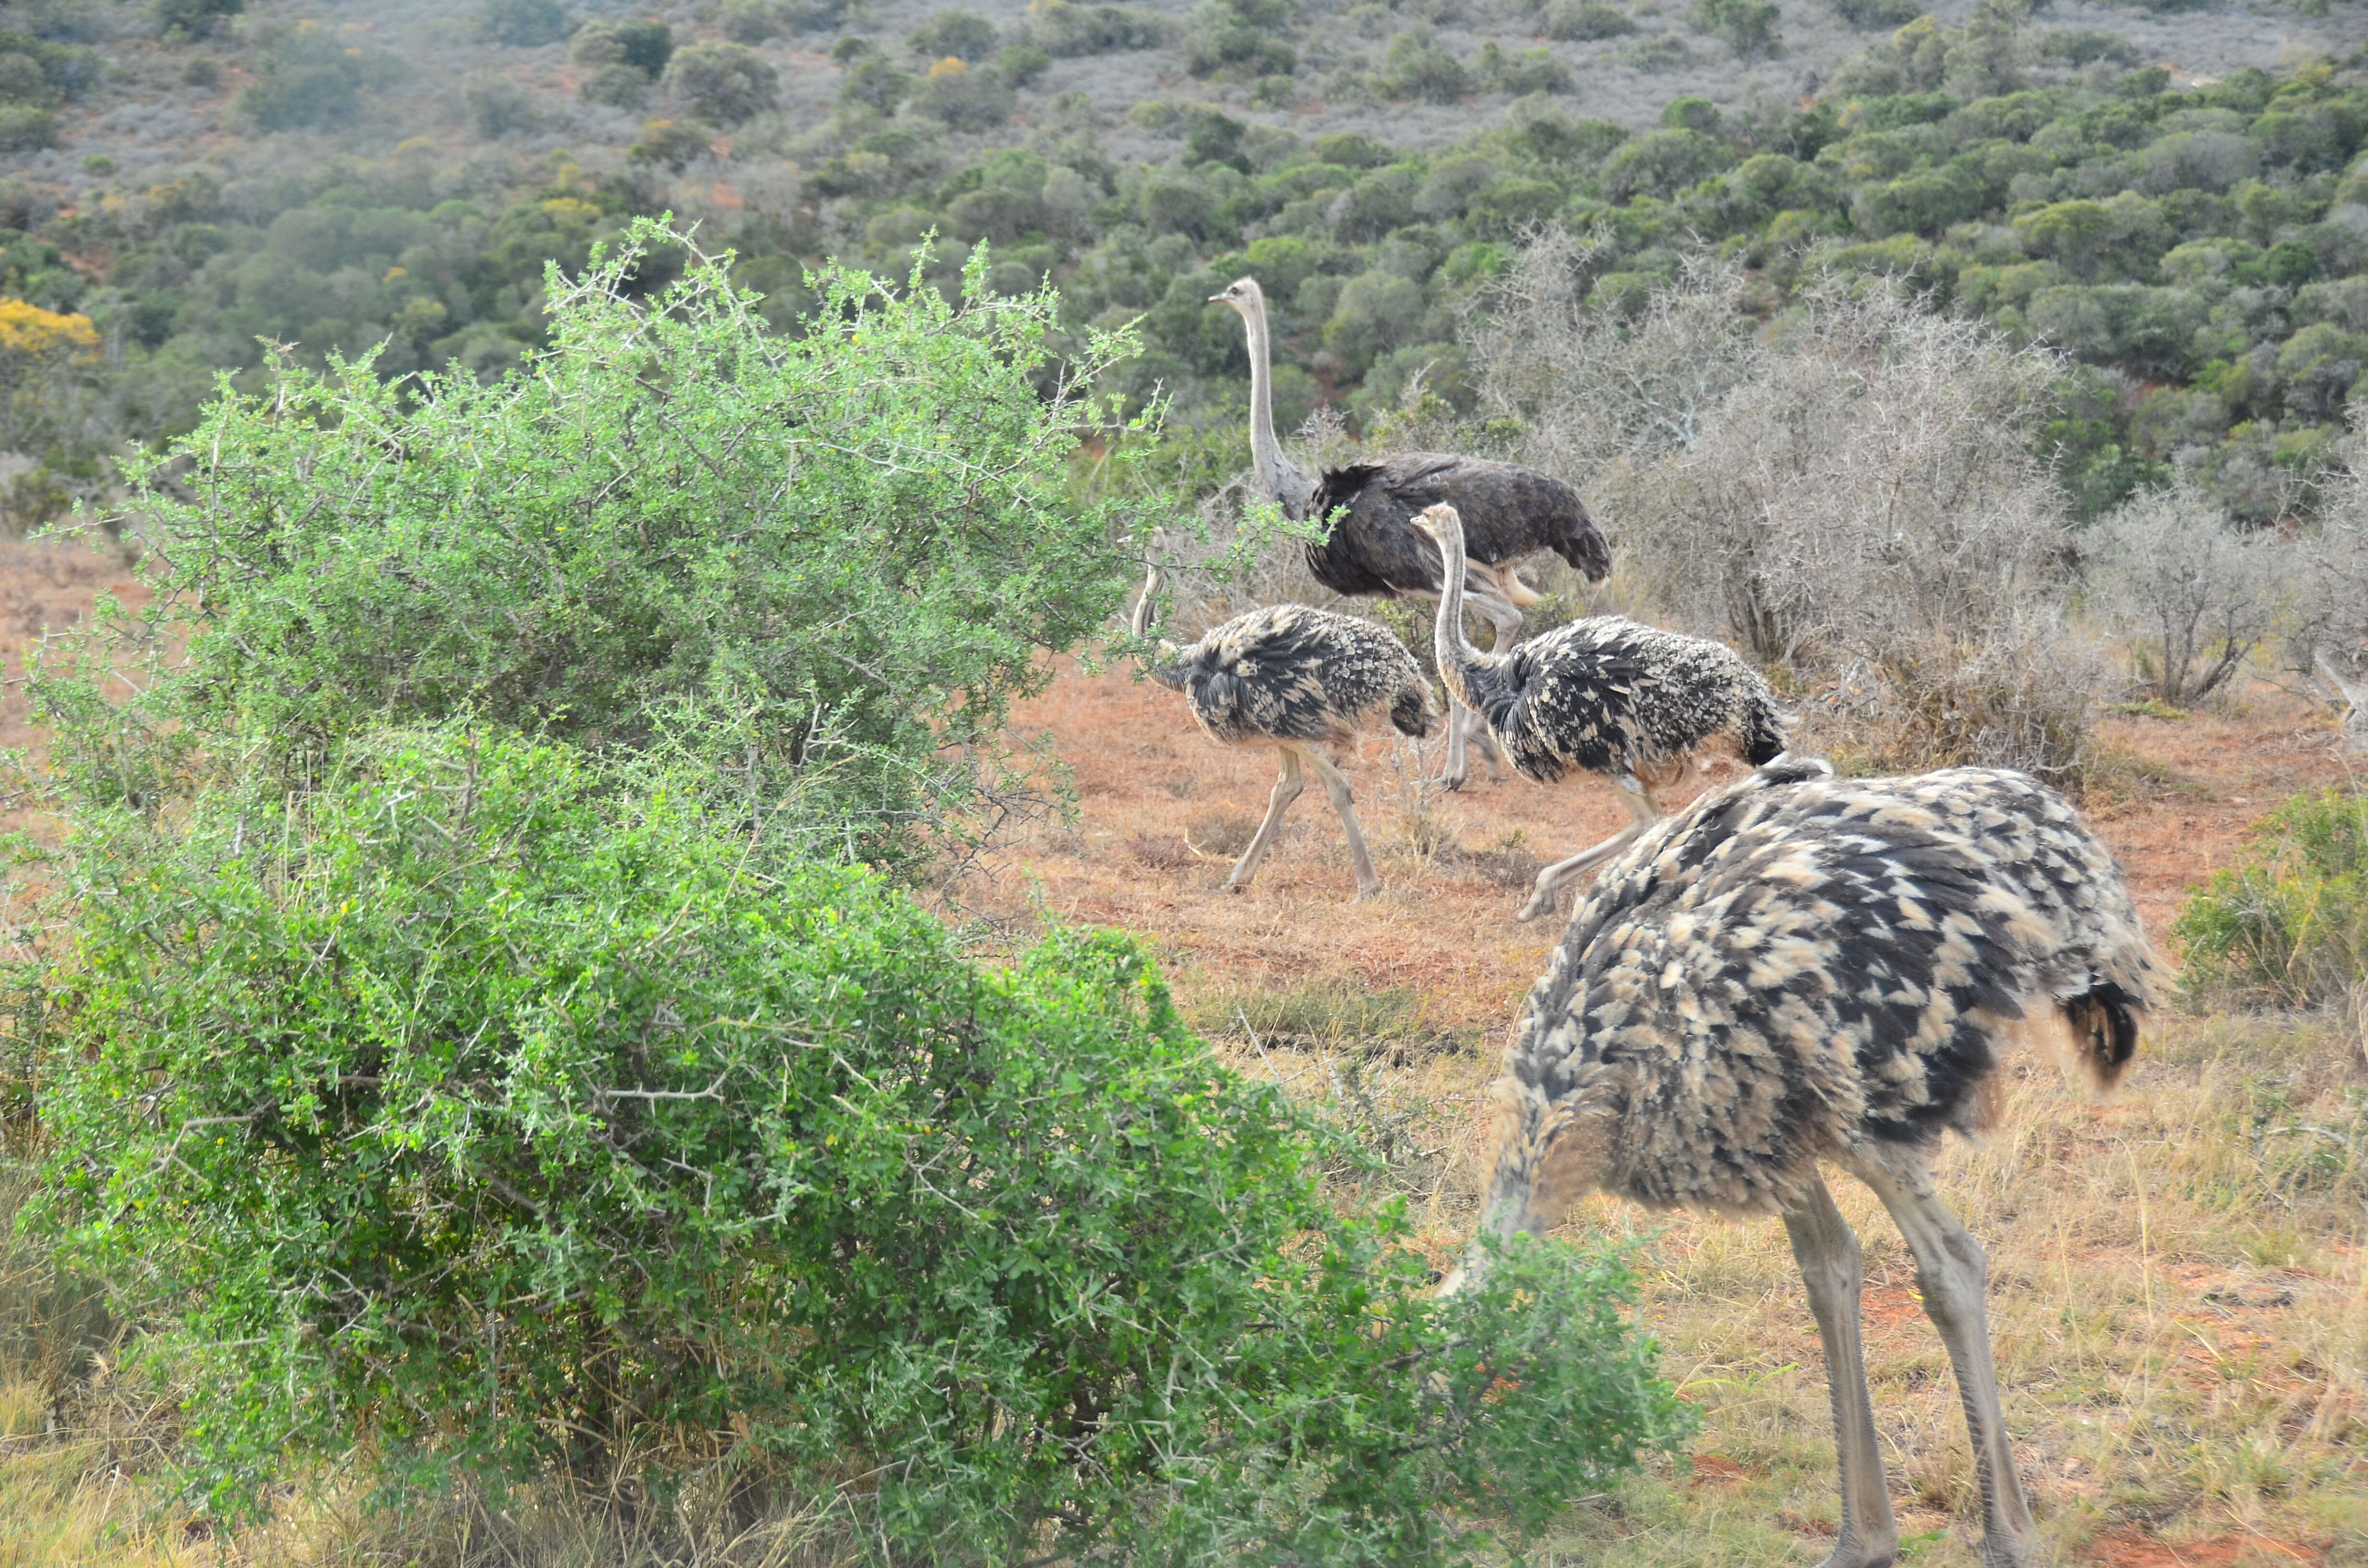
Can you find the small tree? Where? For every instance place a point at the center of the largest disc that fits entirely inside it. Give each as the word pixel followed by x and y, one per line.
pixel 1748 27
pixel 2193 594
pixel 726 83
pixel 827 563
pixel 523 24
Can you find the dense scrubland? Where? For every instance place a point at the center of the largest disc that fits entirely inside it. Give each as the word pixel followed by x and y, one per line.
pixel 546 1020
pixel 2195 245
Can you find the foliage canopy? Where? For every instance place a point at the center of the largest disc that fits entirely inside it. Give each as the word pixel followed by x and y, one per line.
pixel 824 563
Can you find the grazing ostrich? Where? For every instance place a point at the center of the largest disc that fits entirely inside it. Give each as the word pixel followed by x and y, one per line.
pixel 1805 967
pixel 1513 513
pixel 1630 703
pixel 1298 680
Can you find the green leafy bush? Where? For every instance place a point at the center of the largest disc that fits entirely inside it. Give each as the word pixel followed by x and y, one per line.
pixel 523 24
pixel 644 47
pixel 2288 925
pixel 1748 27
pixel 498 1110
pixel 724 82
pixel 963 35
pixel 311 77
pixel 825 564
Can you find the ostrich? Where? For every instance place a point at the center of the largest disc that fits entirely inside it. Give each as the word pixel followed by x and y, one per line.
pixel 1515 512
pixel 1805 967
pixel 1298 680
pixel 1629 703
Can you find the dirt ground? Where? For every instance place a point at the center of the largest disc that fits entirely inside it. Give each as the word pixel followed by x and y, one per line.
pixel 1162 810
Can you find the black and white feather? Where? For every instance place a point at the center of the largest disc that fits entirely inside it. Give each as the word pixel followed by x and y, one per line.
pixel 1300 680
pixel 1805 965
pixel 1511 513
pixel 1805 969
pixel 1612 698
pixel 1290 673
pixel 1634 705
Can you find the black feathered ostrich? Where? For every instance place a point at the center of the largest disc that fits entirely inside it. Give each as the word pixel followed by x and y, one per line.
pixel 1631 704
pixel 1299 680
pixel 1801 969
pixel 1511 513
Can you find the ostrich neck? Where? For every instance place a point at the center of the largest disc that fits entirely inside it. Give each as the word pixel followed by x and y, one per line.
pixel 1459 661
pixel 1280 481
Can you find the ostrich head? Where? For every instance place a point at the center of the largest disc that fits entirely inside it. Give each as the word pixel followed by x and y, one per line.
pixel 1243 294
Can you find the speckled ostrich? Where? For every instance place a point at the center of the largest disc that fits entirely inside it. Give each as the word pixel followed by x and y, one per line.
pixel 1805 967
pixel 1300 679
pixel 1632 704
pixel 1511 513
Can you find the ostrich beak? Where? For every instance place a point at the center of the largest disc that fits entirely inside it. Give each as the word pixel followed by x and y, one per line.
pixel 1219 300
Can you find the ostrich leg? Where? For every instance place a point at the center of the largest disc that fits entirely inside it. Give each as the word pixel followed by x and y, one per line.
pixel 1642 814
pixel 1286 790
pixel 1369 882
pixel 1829 1255
pixel 1953 1272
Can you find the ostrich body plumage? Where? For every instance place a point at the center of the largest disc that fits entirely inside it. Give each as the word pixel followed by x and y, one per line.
pixel 1803 965
pixel 1290 673
pixel 1300 679
pixel 1511 513
pixel 1610 696
pixel 1806 969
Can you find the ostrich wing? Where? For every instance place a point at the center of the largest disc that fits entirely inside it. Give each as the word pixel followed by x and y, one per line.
pixel 1508 512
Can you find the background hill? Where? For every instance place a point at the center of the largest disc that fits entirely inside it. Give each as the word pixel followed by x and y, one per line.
pixel 2168 194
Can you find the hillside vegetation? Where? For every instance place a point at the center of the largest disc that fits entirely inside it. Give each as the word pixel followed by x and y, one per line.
pixel 2200 247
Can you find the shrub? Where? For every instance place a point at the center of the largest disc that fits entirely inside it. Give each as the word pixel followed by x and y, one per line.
pixel 963 99
pixel 312 77
pixel 619 86
pixel 1854 496
pixel 1530 71
pixel 1419 68
pixel 726 83
pixel 2288 925
pixel 963 35
pixel 749 21
pixel 2193 594
pixel 1578 21
pixel 191 19
pixel 1063 29
pixel 669 144
pixel 1748 27
pixel 1877 13
pixel 497 106
pixel 24 129
pixel 829 562
pixel 645 47
pixel 524 24
pixel 496 1112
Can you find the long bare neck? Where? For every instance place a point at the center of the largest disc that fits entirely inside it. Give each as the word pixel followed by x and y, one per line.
pixel 1458 659
pixel 1276 476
